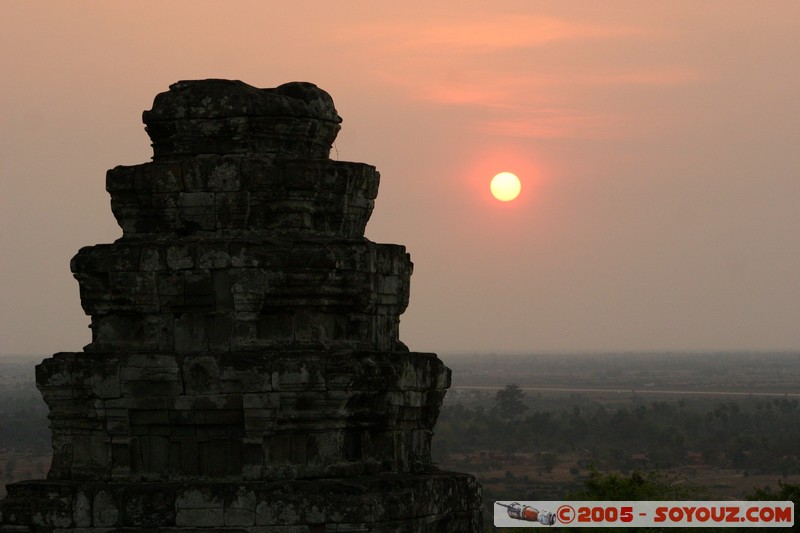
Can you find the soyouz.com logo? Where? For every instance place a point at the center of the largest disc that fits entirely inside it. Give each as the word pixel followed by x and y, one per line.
pixel 644 514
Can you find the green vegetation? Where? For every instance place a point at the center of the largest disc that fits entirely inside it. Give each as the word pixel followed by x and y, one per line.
pixel 753 435
pixel 635 487
pixel 785 492
pixel 623 450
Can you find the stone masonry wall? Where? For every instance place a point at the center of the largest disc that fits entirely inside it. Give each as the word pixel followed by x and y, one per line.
pixel 150 417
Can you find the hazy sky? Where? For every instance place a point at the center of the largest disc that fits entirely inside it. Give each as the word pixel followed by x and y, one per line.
pixel 658 144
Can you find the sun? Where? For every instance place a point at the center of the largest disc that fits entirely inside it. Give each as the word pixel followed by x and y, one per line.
pixel 505 186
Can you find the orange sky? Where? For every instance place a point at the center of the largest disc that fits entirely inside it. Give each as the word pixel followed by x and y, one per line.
pixel 656 142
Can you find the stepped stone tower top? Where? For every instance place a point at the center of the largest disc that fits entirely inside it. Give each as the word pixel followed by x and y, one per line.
pixel 198 117
pixel 242 234
pixel 233 160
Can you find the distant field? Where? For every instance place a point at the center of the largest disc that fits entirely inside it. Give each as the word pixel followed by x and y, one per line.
pixel 527 480
pixel 645 391
pixel 672 373
pixel 553 384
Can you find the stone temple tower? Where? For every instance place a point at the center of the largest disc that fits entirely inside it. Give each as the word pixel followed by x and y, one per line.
pixel 245 372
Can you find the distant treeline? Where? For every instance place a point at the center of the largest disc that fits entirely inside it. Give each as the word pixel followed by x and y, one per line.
pixel 23 422
pixel 754 435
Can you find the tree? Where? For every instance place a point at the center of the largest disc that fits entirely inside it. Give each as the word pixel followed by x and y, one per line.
pixel 548 460
pixel 636 487
pixel 786 492
pixel 508 402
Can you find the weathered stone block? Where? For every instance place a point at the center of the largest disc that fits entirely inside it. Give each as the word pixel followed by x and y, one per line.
pixel 255 378
pixel 157 177
pixel 199 508
pixel 199 291
pixel 180 257
pixel 190 333
pixel 151 508
pixel 134 388
pixel 212 256
pixel 189 460
pixel 117 421
pixel 224 176
pixel 81 510
pixel 200 374
pixel 240 508
pixel 105 510
pixel 121 179
pixel 195 175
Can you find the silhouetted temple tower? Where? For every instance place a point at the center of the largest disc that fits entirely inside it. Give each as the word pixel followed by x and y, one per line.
pixel 245 372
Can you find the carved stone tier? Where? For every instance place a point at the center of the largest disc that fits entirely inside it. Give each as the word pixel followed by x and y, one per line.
pixel 240 416
pixel 243 194
pixel 236 294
